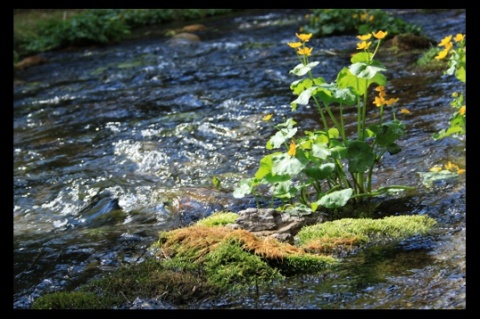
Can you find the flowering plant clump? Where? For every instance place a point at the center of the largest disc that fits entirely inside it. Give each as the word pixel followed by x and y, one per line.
pixel 325 167
pixel 455 52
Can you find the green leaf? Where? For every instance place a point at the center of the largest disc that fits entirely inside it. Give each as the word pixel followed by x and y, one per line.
pixel 284 164
pixel 284 190
pixel 281 137
pixel 393 149
pixel 244 188
pixel 304 97
pixel 360 156
pixel 333 133
pixel 344 96
pixel 346 79
pixel 387 133
pixel 320 150
pixel 320 172
pixel 430 179
pixel 302 69
pixel 337 149
pixel 461 74
pixel 216 182
pixel 361 57
pixel 265 167
pixel 300 85
pixel 336 199
pixel 366 71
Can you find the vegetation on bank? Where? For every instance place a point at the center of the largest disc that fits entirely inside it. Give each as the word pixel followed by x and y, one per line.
pixel 326 22
pixel 37 31
pixel 209 258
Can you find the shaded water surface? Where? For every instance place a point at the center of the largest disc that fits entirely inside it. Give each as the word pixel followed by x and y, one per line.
pixel 113 144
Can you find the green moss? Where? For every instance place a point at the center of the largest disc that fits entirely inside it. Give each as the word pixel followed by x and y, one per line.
pixel 71 300
pixel 229 266
pixel 218 219
pixel 152 279
pixel 304 263
pixel 364 230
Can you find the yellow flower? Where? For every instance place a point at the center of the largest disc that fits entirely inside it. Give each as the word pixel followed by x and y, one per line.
pixel 436 168
pixel 461 171
pixel 380 34
pixel 448 46
pixel 363 45
pixel 442 54
pixel 371 18
pixel 304 36
pixel 305 51
pixel 391 101
pixel 293 148
pixel 364 37
pixel 459 37
pixel 355 16
pixel 267 117
pixel 451 167
pixel 294 44
pixel 462 110
pixel 364 16
pixel 405 111
pixel 455 94
pixel 381 91
pixel 379 101
pixel 445 41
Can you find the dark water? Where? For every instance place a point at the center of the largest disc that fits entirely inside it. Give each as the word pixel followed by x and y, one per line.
pixel 113 144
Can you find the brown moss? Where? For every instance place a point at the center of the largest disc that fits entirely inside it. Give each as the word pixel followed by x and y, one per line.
pixel 197 241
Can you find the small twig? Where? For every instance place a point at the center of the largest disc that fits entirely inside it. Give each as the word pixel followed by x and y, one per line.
pixel 121 292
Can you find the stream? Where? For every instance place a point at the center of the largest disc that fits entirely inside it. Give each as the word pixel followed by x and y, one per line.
pixel 114 144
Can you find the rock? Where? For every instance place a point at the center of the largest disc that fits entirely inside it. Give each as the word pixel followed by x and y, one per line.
pixel 29 61
pixel 193 28
pixel 272 223
pixel 409 42
pixel 184 38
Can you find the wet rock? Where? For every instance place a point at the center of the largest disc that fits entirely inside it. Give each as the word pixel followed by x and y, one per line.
pixel 193 28
pixel 183 38
pixel 409 42
pixel 29 61
pixel 272 223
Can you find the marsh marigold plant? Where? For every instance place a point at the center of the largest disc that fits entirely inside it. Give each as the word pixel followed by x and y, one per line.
pixel 325 167
pixel 454 51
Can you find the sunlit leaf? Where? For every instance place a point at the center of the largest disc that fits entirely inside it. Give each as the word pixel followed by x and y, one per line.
pixel 284 164
pixel 244 188
pixel 265 167
pixel 366 71
pixel 320 150
pixel 302 69
pixel 336 199
pixel 281 137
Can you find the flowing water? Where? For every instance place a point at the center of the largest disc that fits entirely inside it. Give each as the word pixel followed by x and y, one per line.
pixel 113 144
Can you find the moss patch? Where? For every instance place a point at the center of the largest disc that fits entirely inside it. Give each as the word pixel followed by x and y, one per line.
pixel 210 258
pixel 218 219
pixel 352 231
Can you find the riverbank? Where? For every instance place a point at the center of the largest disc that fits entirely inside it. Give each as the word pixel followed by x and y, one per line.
pixel 39 30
